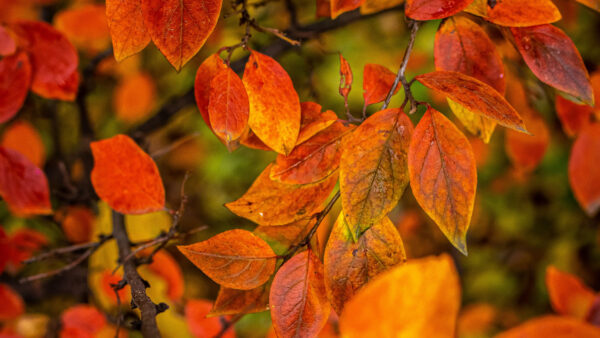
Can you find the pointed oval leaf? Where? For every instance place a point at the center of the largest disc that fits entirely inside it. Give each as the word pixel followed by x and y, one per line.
pixel 53 58
pixel 373 168
pixel 7 43
pixel 377 82
pixel 235 259
pixel 15 78
pixel 463 46
pixel 476 124
pixel 232 301
pixel 125 177
pixel 351 263
pixel 23 186
pixel 313 120
pixel 568 295
pixel 24 138
pixel 426 288
pixel 554 59
pixel 314 159
pixel 269 202
pixel 228 107
pixel 299 306
pixel 552 326
pixel 573 117
pixel 518 13
pixel 179 28
pixel 127 28
pixel 207 70
pixel 346 78
pixel 274 104
pixel 443 175
pixel 475 96
pixel 584 175
pixel 527 151
pixel 593 4
pixel 434 9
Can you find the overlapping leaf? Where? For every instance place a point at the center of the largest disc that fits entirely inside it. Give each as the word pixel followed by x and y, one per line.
pixel 443 175
pixel 434 9
pixel 299 306
pixel 516 13
pixel 584 175
pixel 377 82
pixel 125 176
pixel 15 78
pixel 207 70
pixel 127 27
pixel 373 168
pixel 232 301
pixel 274 104
pixel 554 59
pixel 269 202
pixel 235 259
pixel 313 120
pixel 350 263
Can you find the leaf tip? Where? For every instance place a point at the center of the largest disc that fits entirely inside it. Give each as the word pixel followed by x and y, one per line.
pixel 460 244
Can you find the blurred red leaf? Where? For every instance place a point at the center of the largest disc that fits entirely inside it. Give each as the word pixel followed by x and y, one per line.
pixel 200 326
pixel 568 295
pixel 434 9
pixel 15 79
pixel 584 175
pixel 552 326
pixel 12 304
pixel 24 138
pixel 338 7
pixel 134 97
pixel 7 42
pixel 81 321
pixel 164 265
pixel 573 117
pixel 527 151
pixel 85 26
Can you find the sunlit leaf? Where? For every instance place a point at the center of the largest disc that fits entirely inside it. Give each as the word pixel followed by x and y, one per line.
pixel 341 6
pixel 207 70
pixel 127 28
pixel 516 13
pixel 377 82
pixel 313 120
pixel 372 6
pixel 584 175
pixel 15 79
pixel 434 9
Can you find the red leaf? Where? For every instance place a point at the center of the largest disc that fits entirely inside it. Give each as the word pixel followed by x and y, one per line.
pixel 53 57
pixel 12 304
pixel 7 43
pixel 24 138
pixel 126 177
pixel 434 9
pixel 584 175
pixel 517 13
pixel 179 28
pixel 23 186
pixel 299 306
pixel 127 27
pixel 15 78
pixel 568 295
pixel 200 326
pixel 527 151
pixel 552 326
pixel 377 82
pixel 207 70
pixel 573 117
pixel 346 78
pixel 82 320
pixel 554 59
pixel 164 265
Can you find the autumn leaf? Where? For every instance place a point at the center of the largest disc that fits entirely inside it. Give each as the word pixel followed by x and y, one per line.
pixel 274 104
pixel 323 9
pixel 269 202
pixel 434 9
pixel 7 43
pixel 12 303
pixel 476 124
pixel 299 306
pixel 373 6
pixel 235 259
pixel 377 82
pixel 53 58
pixel 350 263
pixel 346 79
pixel 527 151
pixel 313 160
pixel 196 311
pixel 15 79
pixel 231 301
pixel 573 117
pixel 426 289
pixel 207 70
pixel 584 175
pixel 250 140
pixel 77 223
pixel 373 168
pixel 443 175
pixel 341 6
pixel 23 186
pixel 135 97
pixel 125 176
pixel 81 321
pixel 313 120
pixel 475 96
pixel 568 295
pixel 554 59
pixel 282 237
pixel 228 107
pixel 127 28
pixel 165 266
pixel 593 4
pixel 516 13
pixel 85 26
pixel 552 326
pixel 179 28
pixel 24 138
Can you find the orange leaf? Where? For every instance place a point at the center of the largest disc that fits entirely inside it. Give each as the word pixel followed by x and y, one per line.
pixel 282 237
pixel 313 121
pixel 584 175
pixel 12 303
pixel 232 301
pixel 82 321
pixel 443 175
pixel 346 78
pixel 250 140
pixel 299 306
pixel 127 28
pixel 85 27
pixel 125 176
pixel 573 117
pixel 517 13
pixel 373 6
pixel 434 9
pixel 377 82
pixel 338 7
pixel 527 151
pixel 274 104
pixel 25 242
pixel 228 107
pixel 23 186
pixel 179 28
pixel 207 70
pixel 552 326
pixel 78 224
pixel 235 259
pixel 373 168
pixel 7 44
pixel 107 280
pixel 200 326
pixel 53 58
pixel 135 97
pixel 22 137
pixel 554 59
pixel 164 265
pixel 463 46
pixel 269 202
pixel 475 124
pixel 475 96
pixel 418 299
pixel 568 295
pixel 314 159
pixel 593 4
pixel 15 78
pixel 351 263
pixel 323 9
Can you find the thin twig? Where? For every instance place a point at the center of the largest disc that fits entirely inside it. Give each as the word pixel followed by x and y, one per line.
pixel 67 249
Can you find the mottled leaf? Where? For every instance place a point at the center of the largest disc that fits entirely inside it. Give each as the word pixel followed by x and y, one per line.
pixel 351 263
pixel 443 175
pixel 568 295
pixel 434 9
pixel 552 326
pixel 377 82
pixel 15 78
pixel 313 120
pixel 516 13
pixel 584 175
pixel 125 176
pixel 235 259
pixel 127 28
